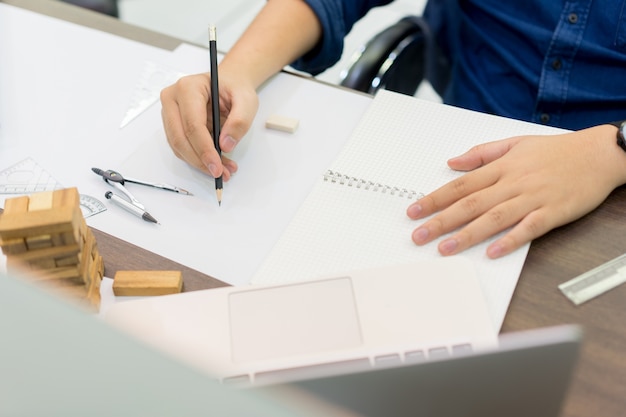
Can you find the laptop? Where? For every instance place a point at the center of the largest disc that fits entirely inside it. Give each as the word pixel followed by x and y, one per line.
pixel 75 364
pixel 266 334
pixel 527 374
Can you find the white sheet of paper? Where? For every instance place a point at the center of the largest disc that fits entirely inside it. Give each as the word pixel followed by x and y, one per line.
pixel 67 119
pixel 277 170
pixel 65 90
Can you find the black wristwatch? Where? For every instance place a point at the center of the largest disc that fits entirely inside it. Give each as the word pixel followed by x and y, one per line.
pixel 621 133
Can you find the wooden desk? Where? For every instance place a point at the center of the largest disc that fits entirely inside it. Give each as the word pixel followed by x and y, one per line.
pixel 599 385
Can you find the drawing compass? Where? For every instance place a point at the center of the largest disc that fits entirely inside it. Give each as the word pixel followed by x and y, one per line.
pixel 116 180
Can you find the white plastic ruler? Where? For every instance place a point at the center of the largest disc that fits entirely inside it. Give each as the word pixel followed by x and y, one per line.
pixel 596 281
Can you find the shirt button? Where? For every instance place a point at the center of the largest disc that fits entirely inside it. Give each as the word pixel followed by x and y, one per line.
pixel 572 18
pixel 545 117
pixel 557 64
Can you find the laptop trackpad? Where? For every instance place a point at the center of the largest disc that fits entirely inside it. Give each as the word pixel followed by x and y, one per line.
pixel 293 319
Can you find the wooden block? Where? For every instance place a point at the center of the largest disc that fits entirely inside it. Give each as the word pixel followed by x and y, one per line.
pixel 94 272
pixel 39 242
pixel 39 222
pixel 70 238
pixel 40 201
pixel 67 260
pixel 282 123
pixel 67 275
pixel 13 246
pixel 99 269
pixel 57 239
pixel 44 236
pixel 98 266
pixel 67 197
pixel 47 200
pixel 16 205
pixel 93 291
pixel 147 282
pixel 87 257
pixel 51 252
pixel 45 263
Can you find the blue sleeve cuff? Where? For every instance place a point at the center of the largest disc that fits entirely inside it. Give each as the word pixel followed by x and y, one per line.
pixel 337 18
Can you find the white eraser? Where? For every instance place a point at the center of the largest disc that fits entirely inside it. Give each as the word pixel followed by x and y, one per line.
pixel 285 124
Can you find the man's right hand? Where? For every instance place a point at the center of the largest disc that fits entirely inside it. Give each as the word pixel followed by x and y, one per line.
pixel 187 120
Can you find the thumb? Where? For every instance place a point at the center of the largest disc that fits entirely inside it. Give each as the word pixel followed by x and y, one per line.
pixel 238 122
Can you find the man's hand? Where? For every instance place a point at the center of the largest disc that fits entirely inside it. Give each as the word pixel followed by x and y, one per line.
pixel 530 184
pixel 187 120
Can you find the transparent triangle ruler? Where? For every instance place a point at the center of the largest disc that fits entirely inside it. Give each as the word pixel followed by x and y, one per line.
pixel 153 79
pixel 27 177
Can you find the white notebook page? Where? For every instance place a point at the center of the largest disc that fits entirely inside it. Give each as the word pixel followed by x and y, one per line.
pixel 401 142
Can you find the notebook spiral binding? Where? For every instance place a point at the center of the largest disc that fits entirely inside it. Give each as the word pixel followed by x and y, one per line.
pixel 339 178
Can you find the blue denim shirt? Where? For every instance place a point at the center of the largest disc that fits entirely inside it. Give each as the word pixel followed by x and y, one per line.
pixel 556 62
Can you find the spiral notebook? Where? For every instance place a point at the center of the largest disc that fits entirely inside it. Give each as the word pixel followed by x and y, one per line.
pixel 355 215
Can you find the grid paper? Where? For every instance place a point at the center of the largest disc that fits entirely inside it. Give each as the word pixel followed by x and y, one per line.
pixel 403 142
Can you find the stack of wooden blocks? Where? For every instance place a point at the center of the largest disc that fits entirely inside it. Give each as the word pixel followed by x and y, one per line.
pixel 44 236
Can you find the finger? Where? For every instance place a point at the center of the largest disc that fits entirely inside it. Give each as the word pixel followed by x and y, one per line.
pixel 193 100
pixel 230 167
pixel 492 222
pixel 492 204
pixel 531 227
pixel 173 126
pixel 243 108
pixel 452 192
pixel 536 223
pixel 482 154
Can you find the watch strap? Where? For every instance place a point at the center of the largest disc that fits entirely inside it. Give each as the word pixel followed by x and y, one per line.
pixel 621 133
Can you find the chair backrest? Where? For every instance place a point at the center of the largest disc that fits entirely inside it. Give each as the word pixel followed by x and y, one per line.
pixel 108 7
pixel 398 59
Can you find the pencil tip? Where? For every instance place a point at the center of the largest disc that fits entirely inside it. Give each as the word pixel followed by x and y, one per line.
pixel 218 192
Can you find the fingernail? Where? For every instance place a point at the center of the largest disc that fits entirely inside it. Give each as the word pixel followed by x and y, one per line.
pixel 420 235
pixel 495 250
pixel 213 170
pixel 229 144
pixel 448 246
pixel 414 210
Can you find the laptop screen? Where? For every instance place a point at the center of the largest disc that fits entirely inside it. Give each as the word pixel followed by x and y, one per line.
pixel 527 375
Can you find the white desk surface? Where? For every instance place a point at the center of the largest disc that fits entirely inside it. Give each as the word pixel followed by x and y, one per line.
pixel 65 94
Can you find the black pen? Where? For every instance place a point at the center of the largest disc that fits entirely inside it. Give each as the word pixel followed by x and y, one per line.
pixel 130 207
pixel 215 104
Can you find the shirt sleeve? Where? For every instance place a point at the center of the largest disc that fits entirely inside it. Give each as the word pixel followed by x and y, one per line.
pixel 337 18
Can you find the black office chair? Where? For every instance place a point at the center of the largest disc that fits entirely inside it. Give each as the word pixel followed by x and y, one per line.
pixel 108 7
pixel 398 59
